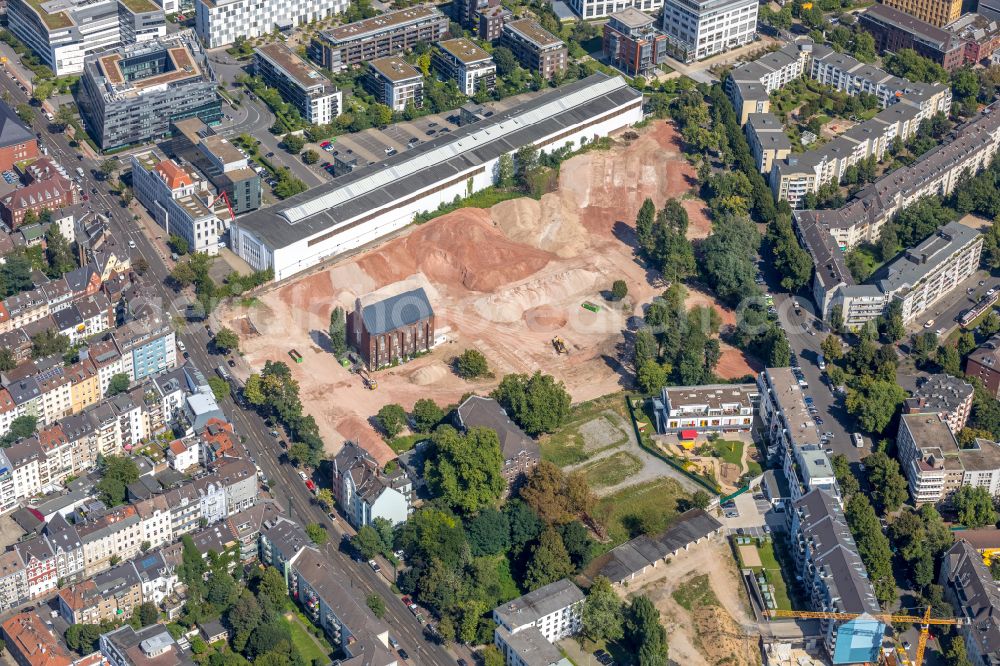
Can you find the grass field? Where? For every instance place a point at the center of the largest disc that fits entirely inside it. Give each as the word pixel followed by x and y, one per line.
pixel 404 443
pixel 307 646
pixel 695 593
pixel 567 445
pixel 772 569
pixel 612 470
pixel 730 451
pixel 646 507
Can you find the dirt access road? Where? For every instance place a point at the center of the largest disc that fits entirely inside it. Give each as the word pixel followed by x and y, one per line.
pixel 504 281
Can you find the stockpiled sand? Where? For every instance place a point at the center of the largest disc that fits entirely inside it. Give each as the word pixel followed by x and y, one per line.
pixel 503 281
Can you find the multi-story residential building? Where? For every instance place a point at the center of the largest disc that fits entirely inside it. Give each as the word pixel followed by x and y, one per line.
pixel 179 201
pixel 395 83
pixel 709 408
pixel 31 643
pixel 537 49
pixel 65 32
pixel 156 576
pixel 894 30
pixel 391 329
pixel 155 521
pixel 13 581
pixel 131 95
pixel 975 598
pixel 984 363
pixel 329 600
pixel 546 615
pixel 767 139
pixel 213 155
pixel 749 86
pixel 281 541
pixel 697 29
pixel 116 533
pixel 384 35
pixel 299 83
pixel 67 547
pixel 591 9
pixel 947 396
pixel 935 12
pixel 38 196
pixel 220 22
pixel 632 43
pixel 827 561
pixel 469 66
pixel 521 454
pixel 39 565
pixel 17 142
pixel 147 346
pixel 365 492
pixel 934 464
pixel 108 596
pixel 979 33
pixel 152 645
pixel 27 464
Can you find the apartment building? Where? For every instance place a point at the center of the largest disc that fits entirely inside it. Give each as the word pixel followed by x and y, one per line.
pixel 709 408
pixel 526 625
pixel 970 589
pixel 698 29
pixel 299 83
pixel 131 94
pixel 947 396
pixel 632 43
pixel 469 66
pixel 384 35
pixel 521 454
pixel 767 140
pixel 537 49
pixel 484 17
pixel 179 200
pixel 220 22
pixel 115 533
pixel 108 596
pixel 935 12
pixel 227 168
pixel 894 30
pixel 51 195
pixel 750 85
pixel 827 562
pixel 63 33
pixel 281 541
pixel 934 464
pixel 979 33
pixel 17 141
pixel 395 83
pixel 984 363
pixel 364 492
pixel 30 642
pixel 152 645
pixel 591 9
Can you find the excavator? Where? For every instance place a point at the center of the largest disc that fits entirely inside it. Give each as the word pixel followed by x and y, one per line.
pixel 369 382
pixel 560 345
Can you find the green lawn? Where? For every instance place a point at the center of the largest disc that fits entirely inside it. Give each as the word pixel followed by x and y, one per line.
pixel 566 446
pixel 695 593
pixel 646 507
pixel 772 569
pixel 730 451
pixel 304 641
pixel 612 470
pixel 404 443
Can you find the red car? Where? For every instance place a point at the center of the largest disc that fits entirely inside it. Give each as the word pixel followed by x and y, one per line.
pixel 310 485
pixel 324 144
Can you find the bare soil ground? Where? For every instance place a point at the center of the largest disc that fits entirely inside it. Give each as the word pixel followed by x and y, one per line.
pixel 503 281
pixel 707 635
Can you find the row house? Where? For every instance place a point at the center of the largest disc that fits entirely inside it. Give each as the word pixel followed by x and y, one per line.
pixel 36 567
pixel 147 346
pixel 157 577
pixel 13 580
pixel 155 521
pixel 115 533
pixel 247 525
pixel 109 596
pixel 90 316
pixel 39 565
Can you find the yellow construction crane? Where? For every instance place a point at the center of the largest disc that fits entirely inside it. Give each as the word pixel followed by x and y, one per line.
pixel 925 623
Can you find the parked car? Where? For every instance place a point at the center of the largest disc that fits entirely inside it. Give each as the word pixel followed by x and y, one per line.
pixel 403 655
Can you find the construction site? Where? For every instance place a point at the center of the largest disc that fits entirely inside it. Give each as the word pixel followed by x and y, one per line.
pixel 525 282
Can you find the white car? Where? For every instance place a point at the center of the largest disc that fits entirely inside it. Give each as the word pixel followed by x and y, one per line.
pixel 180 345
pixel 131 244
pixel 928 323
pixel 303 475
pixel 990 292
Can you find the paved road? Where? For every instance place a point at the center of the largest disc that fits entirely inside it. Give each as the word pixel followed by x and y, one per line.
pixel 285 482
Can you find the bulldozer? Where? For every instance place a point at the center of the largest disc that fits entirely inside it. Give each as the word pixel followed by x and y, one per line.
pixel 560 345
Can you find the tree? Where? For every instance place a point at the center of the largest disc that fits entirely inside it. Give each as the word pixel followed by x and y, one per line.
pixel 324 496
pixel 845 478
pixel 148 614
pixel 602 613
pixel 221 589
pixel 619 290
pixel 220 388
pixel 49 342
pixel 644 635
pixel 874 402
pixel 21 427
pixel 505 60
pixel 108 167
pixel 539 404
pixel 873 546
pixel 376 604
pixel 701 499
pixel 549 561
pixel 391 419
pixel 58 253
pixel 178 244
pixel 226 340
pixel 317 534
pixel 118 383
pixel 83 638
pixel 368 542
pixel 974 506
pixel 831 348
pixel 888 485
pixel 65 115
pixel 471 364
pixel 505 171
pixel 7 359
pixel 426 414
pixel 338 331
pixel 465 471
pixel 117 473
pixel 489 533
pixel 25 113
pixel 381 115
pixel 310 156
pixel 491 656
pixel 293 143
pixel 652 376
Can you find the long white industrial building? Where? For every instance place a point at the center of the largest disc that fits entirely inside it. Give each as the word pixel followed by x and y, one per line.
pixel 371 202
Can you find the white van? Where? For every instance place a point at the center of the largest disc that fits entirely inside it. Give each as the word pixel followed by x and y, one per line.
pixel 858 440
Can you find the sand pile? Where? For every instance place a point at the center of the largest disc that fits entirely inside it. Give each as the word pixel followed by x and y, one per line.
pixel 545 318
pixel 430 374
pixel 721 640
pixel 549 224
pixel 460 249
pixel 511 304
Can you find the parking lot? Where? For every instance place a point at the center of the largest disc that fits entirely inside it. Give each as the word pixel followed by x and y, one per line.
pixel 750 515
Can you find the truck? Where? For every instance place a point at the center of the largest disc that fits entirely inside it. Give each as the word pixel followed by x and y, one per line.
pixel 858 440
